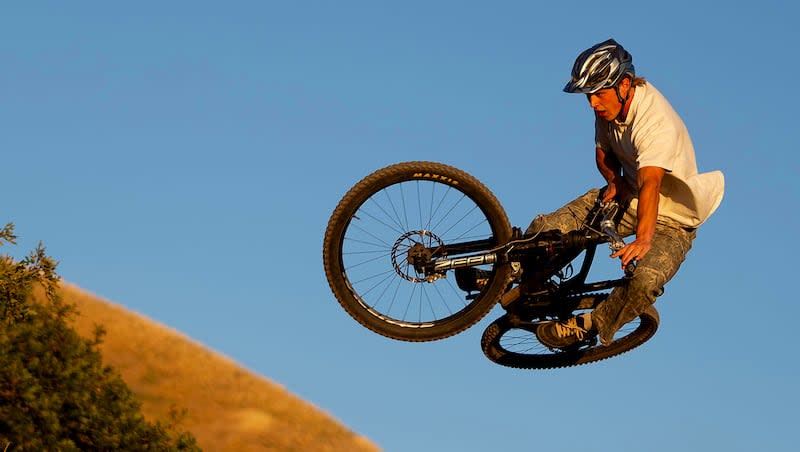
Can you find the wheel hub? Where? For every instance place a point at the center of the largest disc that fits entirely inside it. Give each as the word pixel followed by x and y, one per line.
pixel 413 252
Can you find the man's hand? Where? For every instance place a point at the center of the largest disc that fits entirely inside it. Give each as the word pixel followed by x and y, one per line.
pixel 616 189
pixel 635 250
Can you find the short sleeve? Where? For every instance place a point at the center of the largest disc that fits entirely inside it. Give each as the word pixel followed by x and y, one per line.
pixel 658 146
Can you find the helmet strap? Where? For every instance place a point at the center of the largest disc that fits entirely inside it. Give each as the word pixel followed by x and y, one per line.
pixel 621 100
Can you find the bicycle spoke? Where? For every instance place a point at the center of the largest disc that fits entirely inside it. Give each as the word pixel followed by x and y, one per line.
pixel 375 241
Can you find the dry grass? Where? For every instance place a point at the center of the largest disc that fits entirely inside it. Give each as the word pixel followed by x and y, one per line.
pixel 229 407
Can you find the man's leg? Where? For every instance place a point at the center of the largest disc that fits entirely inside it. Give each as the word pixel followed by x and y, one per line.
pixel 568 218
pixel 659 265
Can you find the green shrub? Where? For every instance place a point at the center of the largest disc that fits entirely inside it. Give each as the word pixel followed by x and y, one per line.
pixel 55 393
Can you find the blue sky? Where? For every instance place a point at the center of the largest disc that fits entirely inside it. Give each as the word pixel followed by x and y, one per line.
pixel 182 159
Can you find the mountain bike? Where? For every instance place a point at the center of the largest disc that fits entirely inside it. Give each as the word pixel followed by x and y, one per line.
pixel 421 251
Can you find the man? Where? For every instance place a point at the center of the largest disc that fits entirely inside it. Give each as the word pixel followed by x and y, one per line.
pixel 644 153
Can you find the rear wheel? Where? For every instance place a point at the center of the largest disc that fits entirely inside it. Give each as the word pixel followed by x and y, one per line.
pixel 406 208
pixel 514 344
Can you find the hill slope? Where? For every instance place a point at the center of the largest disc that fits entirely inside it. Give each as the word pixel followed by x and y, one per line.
pixel 229 407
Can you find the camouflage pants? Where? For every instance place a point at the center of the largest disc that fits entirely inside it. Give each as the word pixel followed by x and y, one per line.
pixel 670 245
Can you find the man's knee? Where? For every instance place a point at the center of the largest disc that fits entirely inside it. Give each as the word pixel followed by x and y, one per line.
pixel 647 283
pixel 569 217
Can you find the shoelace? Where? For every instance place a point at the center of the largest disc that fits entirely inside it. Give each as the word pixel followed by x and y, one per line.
pixel 570 328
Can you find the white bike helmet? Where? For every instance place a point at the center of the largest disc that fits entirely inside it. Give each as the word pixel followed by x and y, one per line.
pixel 600 66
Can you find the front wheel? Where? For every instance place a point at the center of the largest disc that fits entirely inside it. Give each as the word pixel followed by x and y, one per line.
pixel 406 208
pixel 514 344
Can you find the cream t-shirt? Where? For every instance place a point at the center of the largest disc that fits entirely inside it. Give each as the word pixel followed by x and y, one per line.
pixel 654 135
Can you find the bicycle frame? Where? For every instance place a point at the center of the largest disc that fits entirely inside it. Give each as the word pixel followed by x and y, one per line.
pixel 543 254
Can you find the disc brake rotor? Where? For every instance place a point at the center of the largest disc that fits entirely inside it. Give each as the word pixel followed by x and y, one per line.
pixel 412 251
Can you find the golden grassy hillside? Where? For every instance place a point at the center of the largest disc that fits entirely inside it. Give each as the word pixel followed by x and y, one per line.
pixel 229 407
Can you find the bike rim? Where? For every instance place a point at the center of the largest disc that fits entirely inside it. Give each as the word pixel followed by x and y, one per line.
pixel 379 235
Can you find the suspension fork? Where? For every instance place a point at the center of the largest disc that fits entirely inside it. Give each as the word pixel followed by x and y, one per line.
pixel 443 265
pixel 425 259
pixel 499 254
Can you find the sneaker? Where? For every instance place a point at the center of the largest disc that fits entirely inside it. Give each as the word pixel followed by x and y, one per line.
pixel 564 334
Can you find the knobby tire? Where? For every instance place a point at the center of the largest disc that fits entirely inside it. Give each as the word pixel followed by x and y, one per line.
pixel 516 346
pixel 373 220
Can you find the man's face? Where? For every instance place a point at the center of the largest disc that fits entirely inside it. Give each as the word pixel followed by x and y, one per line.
pixel 605 103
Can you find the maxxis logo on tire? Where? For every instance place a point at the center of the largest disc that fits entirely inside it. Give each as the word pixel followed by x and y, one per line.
pixel 434 176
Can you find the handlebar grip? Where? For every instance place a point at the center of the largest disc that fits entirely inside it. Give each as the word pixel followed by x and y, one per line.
pixel 630 268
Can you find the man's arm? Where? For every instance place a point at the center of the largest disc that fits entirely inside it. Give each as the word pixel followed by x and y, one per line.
pixel 649 193
pixel 611 170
